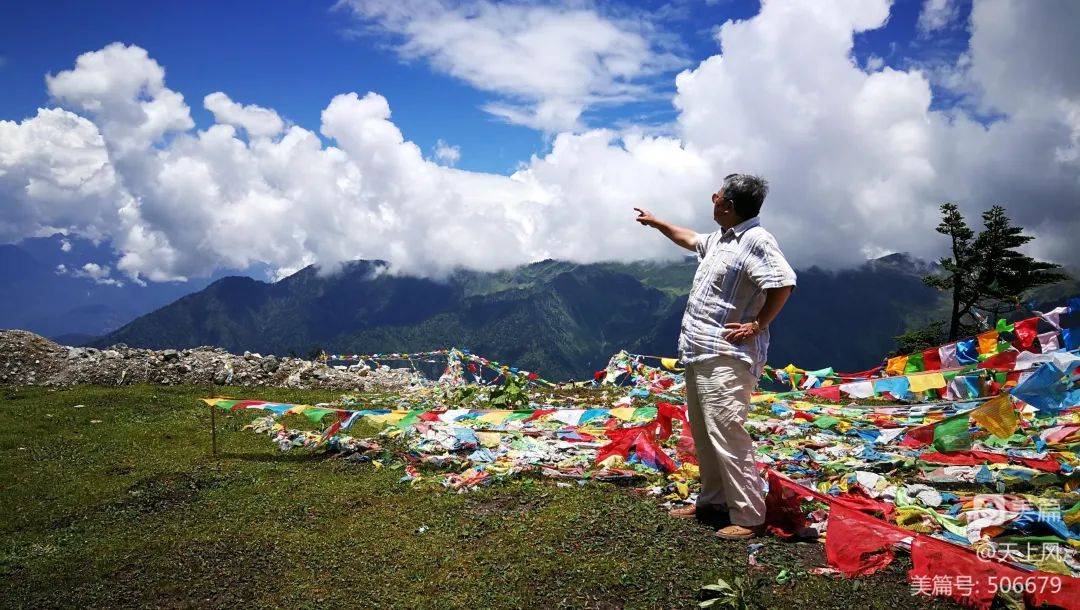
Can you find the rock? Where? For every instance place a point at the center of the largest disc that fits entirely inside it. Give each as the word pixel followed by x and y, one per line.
pixel 28 359
pixel 270 364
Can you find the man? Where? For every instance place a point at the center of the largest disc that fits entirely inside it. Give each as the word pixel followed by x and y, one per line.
pixel 742 282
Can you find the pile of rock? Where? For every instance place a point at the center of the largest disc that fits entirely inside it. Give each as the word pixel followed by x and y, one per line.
pixel 28 359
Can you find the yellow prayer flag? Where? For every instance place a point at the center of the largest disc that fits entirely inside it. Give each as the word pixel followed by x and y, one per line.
pixel 927 381
pixel 488 439
pixel 623 413
pixel 988 342
pixel 670 364
pixel 895 366
pixel 998 416
pixel 494 417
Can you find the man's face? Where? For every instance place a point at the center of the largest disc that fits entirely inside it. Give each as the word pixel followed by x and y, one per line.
pixel 719 205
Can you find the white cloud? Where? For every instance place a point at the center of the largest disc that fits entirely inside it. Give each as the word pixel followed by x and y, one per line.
pixel 936 14
pixel 99 274
pixel 257 121
pixel 858 161
pixel 65 245
pixel 549 63
pixel 446 154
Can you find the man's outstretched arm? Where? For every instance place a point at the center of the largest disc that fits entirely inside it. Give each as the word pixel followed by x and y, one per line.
pixel 687 238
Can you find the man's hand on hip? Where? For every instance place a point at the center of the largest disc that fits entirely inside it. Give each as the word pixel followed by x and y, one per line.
pixel 737 333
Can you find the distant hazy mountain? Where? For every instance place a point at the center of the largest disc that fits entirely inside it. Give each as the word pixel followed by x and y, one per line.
pixel 46 289
pixel 560 319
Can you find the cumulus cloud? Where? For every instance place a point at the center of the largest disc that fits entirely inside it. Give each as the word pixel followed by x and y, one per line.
pixel 99 274
pixel 858 160
pixel 549 63
pixel 257 121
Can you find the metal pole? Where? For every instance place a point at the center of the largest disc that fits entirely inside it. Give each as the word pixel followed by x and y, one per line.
pixel 213 431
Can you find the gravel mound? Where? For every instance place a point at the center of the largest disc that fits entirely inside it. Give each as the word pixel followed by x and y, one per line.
pixel 29 359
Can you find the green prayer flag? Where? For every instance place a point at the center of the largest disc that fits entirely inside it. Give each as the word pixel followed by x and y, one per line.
pixel 644 413
pixel 914 364
pixel 953 434
pixel 316 415
pixel 1003 327
pixel 825 421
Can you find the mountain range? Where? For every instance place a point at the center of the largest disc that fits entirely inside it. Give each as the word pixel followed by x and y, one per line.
pixel 560 319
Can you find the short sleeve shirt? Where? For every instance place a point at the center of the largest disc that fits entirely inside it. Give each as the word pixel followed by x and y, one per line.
pixel 735 268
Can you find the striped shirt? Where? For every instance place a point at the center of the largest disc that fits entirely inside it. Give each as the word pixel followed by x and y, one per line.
pixel 735 267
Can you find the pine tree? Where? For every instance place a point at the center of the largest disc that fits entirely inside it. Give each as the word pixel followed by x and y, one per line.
pixel 986 274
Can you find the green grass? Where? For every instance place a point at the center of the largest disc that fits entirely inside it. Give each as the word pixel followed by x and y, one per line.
pixel 134 511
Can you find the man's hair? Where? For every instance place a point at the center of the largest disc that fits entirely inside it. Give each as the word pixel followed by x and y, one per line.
pixel 746 192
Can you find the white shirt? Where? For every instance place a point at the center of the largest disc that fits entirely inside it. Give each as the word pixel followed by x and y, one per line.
pixel 735 268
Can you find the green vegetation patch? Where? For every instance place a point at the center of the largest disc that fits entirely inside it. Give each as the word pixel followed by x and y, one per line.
pixel 110 497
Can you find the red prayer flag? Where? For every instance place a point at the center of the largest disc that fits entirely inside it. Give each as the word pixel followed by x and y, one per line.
pixel 1025 333
pixel 937 560
pixel 829 392
pixel 1001 361
pixel 931 360
pixel 858 544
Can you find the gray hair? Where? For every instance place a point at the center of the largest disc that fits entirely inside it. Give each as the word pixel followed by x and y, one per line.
pixel 746 192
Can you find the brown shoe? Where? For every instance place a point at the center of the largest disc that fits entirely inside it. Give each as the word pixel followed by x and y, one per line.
pixel 686 512
pixel 739 532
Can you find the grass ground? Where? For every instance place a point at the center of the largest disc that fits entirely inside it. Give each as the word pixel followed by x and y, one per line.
pixel 134 511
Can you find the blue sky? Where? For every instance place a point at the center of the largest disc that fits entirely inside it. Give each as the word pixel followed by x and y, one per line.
pixel 556 118
pixel 295 56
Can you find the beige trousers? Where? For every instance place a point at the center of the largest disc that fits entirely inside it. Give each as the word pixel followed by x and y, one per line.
pixel 718 399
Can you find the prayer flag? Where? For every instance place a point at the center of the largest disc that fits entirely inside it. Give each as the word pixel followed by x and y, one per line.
pixel 1071 336
pixel 896 365
pixel 947 354
pixel 1025 332
pixel 1053 317
pixel 998 416
pixel 914 364
pixel 1048 342
pixel 952 434
pixel 932 359
pixel 858 389
pixel 988 342
pixel 966 352
pixel 897 386
pixel 927 381
pixel 1003 326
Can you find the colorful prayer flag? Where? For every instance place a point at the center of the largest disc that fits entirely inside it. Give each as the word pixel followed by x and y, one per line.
pixel 988 342
pixel 998 416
